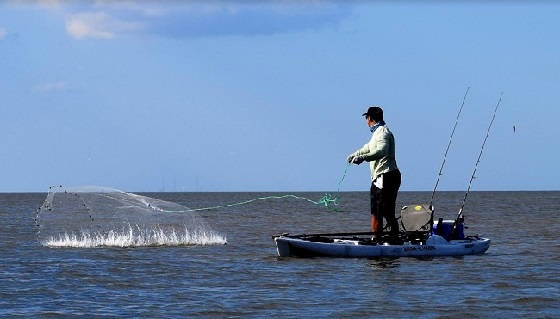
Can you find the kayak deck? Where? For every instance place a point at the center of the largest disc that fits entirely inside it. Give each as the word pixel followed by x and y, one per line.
pixel 322 245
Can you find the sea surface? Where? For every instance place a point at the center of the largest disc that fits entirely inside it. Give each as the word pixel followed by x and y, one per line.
pixel 519 276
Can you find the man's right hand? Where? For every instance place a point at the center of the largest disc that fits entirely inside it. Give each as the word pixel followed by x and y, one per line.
pixel 357 160
pixel 350 158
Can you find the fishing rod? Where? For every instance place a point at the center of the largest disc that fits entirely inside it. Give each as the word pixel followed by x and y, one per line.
pixel 460 214
pixel 445 157
pixel 449 145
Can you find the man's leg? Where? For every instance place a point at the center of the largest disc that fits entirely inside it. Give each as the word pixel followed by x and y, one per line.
pixel 392 183
pixel 376 222
pixel 375 226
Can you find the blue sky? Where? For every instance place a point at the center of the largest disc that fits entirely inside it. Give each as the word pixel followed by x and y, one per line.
pixel 244 96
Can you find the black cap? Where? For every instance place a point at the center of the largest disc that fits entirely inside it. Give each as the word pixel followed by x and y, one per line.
pixel 374 112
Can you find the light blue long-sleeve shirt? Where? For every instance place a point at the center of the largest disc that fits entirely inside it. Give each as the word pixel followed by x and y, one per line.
pixel 379 152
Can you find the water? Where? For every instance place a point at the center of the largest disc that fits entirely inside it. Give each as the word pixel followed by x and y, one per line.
pixel 518 276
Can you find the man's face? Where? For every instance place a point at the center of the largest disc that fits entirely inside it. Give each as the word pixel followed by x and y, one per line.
pixel 369 121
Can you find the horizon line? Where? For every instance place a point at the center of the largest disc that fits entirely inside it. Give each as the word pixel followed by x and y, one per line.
pixel 300 191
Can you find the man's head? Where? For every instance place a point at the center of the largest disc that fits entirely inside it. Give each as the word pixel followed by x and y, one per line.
pixel 373 115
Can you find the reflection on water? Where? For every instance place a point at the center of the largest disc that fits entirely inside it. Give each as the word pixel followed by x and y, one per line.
pixel 384 262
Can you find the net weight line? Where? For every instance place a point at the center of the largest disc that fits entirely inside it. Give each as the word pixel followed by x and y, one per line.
pixel 46 205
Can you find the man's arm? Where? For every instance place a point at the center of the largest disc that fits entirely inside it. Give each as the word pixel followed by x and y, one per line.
pixel 363 150
pixel 376 151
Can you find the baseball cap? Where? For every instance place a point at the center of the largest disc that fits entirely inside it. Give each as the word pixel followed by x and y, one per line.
pixel 373 110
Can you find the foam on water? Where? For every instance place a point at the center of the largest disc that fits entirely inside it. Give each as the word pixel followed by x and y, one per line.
pixel 135 237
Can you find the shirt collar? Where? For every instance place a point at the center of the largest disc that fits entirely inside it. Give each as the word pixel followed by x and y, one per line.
pixel 377 124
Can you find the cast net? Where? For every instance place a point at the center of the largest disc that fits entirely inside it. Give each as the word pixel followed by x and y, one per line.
pixel 98 216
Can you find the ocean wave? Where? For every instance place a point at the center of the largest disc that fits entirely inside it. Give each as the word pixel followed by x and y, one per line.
pixel 135 237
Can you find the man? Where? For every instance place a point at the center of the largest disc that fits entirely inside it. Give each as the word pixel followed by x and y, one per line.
pixel 385 175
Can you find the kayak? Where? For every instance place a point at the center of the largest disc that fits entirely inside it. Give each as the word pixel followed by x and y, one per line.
pixel 354 246
pixel 420 237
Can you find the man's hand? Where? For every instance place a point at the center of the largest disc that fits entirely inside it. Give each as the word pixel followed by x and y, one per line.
pixel 350 158
pixel 357 160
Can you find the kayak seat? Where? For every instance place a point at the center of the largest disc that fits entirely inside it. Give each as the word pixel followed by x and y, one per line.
pixel 416 218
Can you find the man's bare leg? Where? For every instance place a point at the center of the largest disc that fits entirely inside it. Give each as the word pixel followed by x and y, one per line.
pixel 376 227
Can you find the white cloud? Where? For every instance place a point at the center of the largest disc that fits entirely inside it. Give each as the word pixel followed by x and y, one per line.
pixel 97 25
pixel 49 87
pixel 48 4
pixel 3 33
pixel 108 19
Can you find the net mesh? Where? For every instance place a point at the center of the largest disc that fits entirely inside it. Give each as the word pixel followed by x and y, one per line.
pixel 98 216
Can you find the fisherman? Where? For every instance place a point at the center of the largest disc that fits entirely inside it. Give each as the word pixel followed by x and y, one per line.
pixel 385 175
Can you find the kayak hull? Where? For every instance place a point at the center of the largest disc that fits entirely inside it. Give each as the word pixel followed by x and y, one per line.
pixel 433 246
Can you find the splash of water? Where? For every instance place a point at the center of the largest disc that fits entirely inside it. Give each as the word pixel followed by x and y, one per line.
pixel 103 217
pixel 135 237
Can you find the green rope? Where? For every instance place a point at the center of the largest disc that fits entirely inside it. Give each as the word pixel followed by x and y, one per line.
pixel 342 179
pixel 329 201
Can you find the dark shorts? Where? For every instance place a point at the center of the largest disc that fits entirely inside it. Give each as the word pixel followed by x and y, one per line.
pixel 383 200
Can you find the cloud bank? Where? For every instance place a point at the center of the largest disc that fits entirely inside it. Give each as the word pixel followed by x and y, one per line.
pixel 108 20
pixel 97 25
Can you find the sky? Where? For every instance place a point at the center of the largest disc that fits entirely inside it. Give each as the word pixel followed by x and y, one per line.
pixel 268 96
